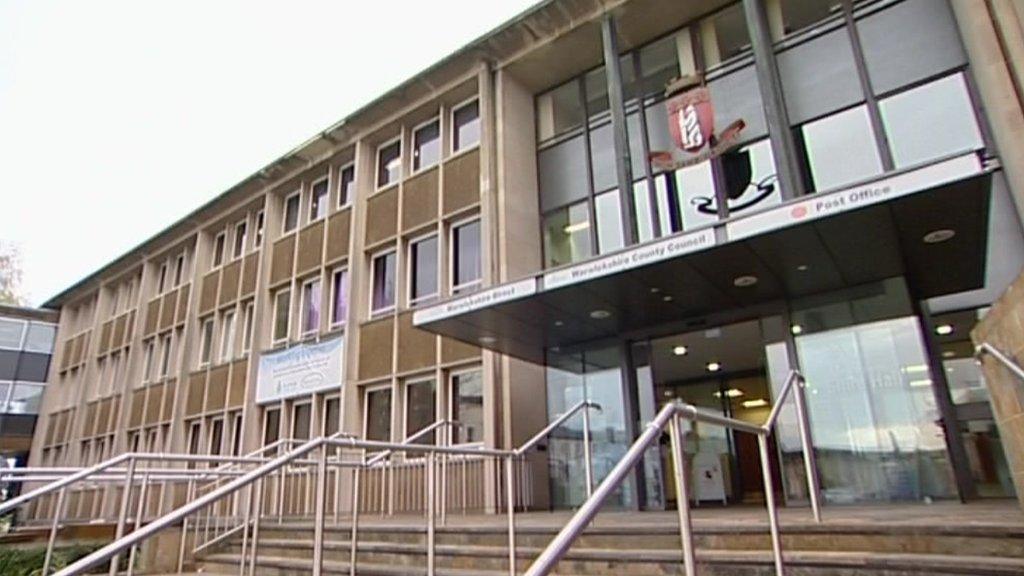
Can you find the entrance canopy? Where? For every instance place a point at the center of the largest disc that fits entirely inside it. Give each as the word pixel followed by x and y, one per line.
pixel 927 224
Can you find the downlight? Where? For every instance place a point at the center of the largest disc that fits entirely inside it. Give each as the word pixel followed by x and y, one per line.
pixel 937 236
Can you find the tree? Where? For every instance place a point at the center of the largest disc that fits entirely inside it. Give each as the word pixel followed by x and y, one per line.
pixel 10 275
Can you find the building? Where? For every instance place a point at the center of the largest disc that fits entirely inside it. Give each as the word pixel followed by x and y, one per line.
pixel 533 221
pixel 26 345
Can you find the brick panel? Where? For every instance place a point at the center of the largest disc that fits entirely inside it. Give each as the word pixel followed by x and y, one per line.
pixel 375 348
pixel 311 247
pixel 217 388
pixel 282 258
pixel 194 397
pixel 419 200
pixel 453 350
pixel 236 390
pixel 182 310
pixel 381 216
pixel 152 316
pixel 462 182
pixel 418 348
pixel 338 229
pixel 230 278
pixel 249 270
pixel 208 292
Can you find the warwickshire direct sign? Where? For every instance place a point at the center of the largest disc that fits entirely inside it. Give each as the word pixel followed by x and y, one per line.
pixel 476 301
pixel 629 259
pixel 300 370
pixel 821 205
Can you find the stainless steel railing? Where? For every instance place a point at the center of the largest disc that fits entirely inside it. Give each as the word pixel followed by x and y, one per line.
pixel 986 348
pixel 670 416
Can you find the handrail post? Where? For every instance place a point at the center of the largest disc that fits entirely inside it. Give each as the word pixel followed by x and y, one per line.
pixel 53 530
pixel 139 515
pixel 431 506
pixel 321 497
pixel 679 471
pixel 246 518
pixel 806 442
pixel 510 508
pixel 354 538
pixel 769 499
pixel 254 547
pixel 189 494
pixel 123 513
pixel 587 454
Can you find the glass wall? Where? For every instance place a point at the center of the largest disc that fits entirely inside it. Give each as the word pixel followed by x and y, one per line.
pixel 594 375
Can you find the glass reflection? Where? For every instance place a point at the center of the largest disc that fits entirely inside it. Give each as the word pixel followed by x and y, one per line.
pixel 609 222
pixel 841 149
pixel 567 235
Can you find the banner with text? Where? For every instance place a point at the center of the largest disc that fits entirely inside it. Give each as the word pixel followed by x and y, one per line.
pixel 300 370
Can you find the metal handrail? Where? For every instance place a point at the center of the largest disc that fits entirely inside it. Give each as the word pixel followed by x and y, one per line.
pixel 671 415
pixel 986 348
pixel 381 456
pixel 588 466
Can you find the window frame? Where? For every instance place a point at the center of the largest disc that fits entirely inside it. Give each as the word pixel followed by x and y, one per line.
pixel 259 225
pixel 474 285
pixel 228 333
pixel 179 271
pixel 284 212
pixel 373 282
pixel 220 241
pixel 310 217
pixel 274 340
pixel 406 387
pixel 327 398
pixel 147 362
pixel 452 375
pixel 377 158
pixel 206 341
pixel 341 185
pixel 452 150
pixel 410 267
pixel 248 322
pixel 209 440
pixel 340 269
pixel 166 343
pixel 303 332
pixel 161 282
pixel 238 246
pixel 440 146
pixel 367 390
pixel 307 401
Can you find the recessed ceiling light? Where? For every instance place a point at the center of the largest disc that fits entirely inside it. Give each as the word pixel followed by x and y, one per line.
pixel 655 289
pixel 744 281
pixel 680 350
pixel 577 227
pixel 948 354
pixel 667 393
pixel 666 298
pixel 944 329
pixel 600 314
pixel 915 369
pixel 936 236
pixel 803 268
pixel 559 323
pixel 755 403
pixel 487 339
pixel 920 383
pixel 730 393
pixel 713 366
pixel 796 329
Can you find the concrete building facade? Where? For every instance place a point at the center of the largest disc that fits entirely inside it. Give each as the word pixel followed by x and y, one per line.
pixel 463 248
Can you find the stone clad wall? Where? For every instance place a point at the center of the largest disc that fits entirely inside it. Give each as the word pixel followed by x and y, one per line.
pixel 1003 327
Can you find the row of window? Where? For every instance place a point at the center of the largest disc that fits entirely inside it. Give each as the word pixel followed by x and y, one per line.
pixel 207 436
pixel 122 295
pixel 110 373
pixel 310 307
pixel 231 344
pixel 166 282
pixel 162 368
pixel 426 143
pixel 239 240
pixel 462 403
pixel 31 336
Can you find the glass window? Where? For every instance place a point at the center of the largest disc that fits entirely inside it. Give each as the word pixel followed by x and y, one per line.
pixel 645 214
pixel 271 426
pixel 227 338
pixel 165 357
pixel 724 35
pixel 377 415
pixel 318 200
pixel 466 266
pixel 389 164
pixel 931 121
pixel 218 249
pixel 282 314
pixel 559 111
pixel 841 149
pixel 332 415
pixel 383 279
pixel 5 390
pixel 301 415
pixel 194 438
pixel 420 409
pixel 609 222
pixel 147 365
pixel 311 307
pixel 426 145
pixel 339 297
pixel 240 237
pixel 467 406
pixel 423 269
pixel 216 436
pixel 11 332
pixel 799 14
pixel 247 328
pixel 161 282
pixel 466 126
pixel 347 188
pixel 206 342
pixel 40 337
pixel 659 64
pixel 179 270
pixel 567 235
pixel 236 434
pixel 258 241
pixel 291 213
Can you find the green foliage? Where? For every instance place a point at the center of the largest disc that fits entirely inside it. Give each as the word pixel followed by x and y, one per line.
pixel 29 561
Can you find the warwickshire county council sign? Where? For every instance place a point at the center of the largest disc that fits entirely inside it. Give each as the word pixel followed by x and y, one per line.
pixel 300 370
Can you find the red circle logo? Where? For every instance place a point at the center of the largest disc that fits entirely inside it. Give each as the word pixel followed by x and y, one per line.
pixel 798 212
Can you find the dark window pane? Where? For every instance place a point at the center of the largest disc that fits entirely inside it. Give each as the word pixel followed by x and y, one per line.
pixel 291 213
pixel 725 34
pixel 300 421
pixel 318 203
pixel 378 415
pixel 282 308
pixel 33 366
pixel 799 14
pixel 466 243
pixel 424 268
pixel 659 64
pixel 426 146
pixel 218 250
pixel 389 164
pixel 347 188
pixel 466 122
pixel 559 110
pixel 273 426
pixel 332 413
pixel 384 282
pixel 419 409
pixel 467 397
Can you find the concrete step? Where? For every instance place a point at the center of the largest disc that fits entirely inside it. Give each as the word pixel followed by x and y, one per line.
pixel 729 563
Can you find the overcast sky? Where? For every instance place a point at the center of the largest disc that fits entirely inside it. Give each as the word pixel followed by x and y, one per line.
pixel 119 117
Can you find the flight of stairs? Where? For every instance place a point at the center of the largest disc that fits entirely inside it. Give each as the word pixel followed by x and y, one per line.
pixel 831 549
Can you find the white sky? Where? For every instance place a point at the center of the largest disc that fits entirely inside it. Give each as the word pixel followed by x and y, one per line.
pixel 119 117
